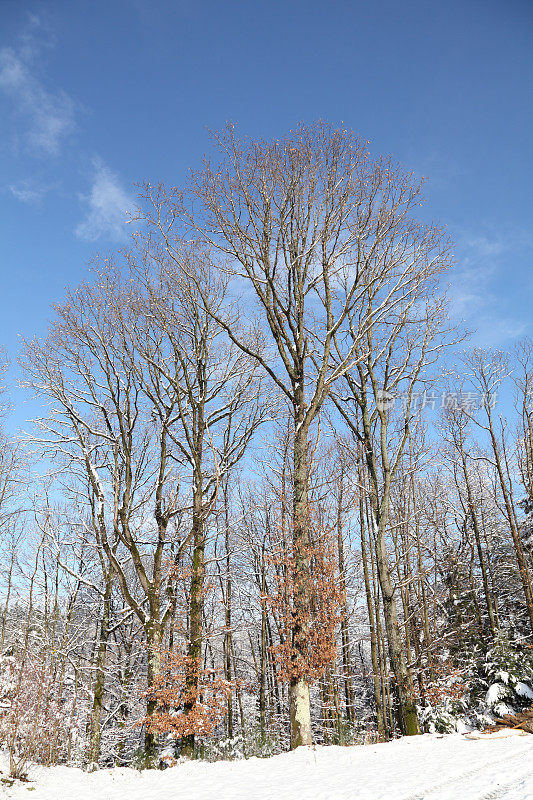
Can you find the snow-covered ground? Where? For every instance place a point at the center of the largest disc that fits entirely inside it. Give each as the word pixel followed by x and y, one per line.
pixel 433 767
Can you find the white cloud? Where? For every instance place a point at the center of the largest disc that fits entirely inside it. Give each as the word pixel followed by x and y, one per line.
pixel 108 206
pixel 27 191
pixel 476 292
pixel 49 115
pixel 470 290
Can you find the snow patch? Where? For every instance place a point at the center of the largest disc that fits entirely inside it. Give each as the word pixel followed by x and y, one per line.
pixel 523 690
pixel 495 693
pixel 437 766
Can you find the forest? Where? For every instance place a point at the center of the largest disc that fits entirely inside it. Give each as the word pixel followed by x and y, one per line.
pixel 274 495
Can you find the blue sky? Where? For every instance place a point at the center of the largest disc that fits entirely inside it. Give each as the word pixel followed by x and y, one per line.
pixel 97 96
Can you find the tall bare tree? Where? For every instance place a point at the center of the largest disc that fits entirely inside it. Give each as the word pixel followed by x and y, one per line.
pixel 219 401
pixel 103 435
pixel 386 386
pixel 304 225
pixel 487 371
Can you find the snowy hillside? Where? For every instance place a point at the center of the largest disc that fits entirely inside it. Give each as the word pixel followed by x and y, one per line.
pixel 430 766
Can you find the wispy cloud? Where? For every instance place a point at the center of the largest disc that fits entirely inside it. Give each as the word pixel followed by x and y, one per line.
pixel 108 205
pixel 27 191
pixel 48 115
pixel 476 293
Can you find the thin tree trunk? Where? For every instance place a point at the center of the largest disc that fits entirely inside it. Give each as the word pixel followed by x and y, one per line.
pixel 95 733
pixel 345 635
pixel 376 674
pixel 196 605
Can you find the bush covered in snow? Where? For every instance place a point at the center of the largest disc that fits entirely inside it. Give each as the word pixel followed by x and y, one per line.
pixel 35 720
pixel 496 679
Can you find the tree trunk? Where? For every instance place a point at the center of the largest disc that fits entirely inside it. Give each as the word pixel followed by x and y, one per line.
pixel 263 653
pixel 345 635
pixel 95 732
pixel 227 636
pixel 407 716
pixel 154 635
pixel 376 676
pixel 300 709
pixel 379 506
pixel 196 606
pixel 521 560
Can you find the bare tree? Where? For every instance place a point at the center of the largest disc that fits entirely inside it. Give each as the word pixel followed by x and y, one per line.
pixel 207 393
pixel 306 223
pixel 150 395
pixel 392 361
pixel 456 435
pixel 101 430
pixel 487 372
